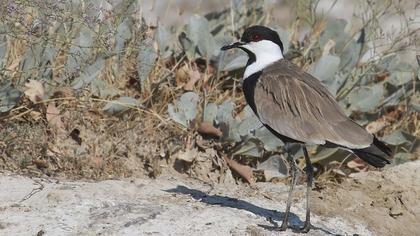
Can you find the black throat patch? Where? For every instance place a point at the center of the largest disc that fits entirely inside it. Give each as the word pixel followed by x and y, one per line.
pixel 251 57
pixel 249 88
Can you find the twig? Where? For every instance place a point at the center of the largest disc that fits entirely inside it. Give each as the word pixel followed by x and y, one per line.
pixel 34 191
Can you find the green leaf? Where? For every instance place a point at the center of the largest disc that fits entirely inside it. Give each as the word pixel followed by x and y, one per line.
pixel 237 63
pixel 336 83
pixel 164 39
pixel 402 157
pixel 37 59
pixel 225 112
pixel 146 61
pixel 226 121
pixel 188 104
pixel 249 148
pixel 365 98
pixel 92 11
pixel 89 74
pixel 401 71
pixel 32 57
pixel 249 123
pixel 400 77
pixel 210 112
pixel 188 46
pixel 185 110
pixel 324 156
pixel 123 34
pixel 80 50
pixel 349 56
pixel 3 49
pixel 415 102
pixel 394 98
pixel 121 7
pixel 387 62
pixel 9 96
pixel 269 140
pixel 120 105
pixel 102 89
pixel 325 68
pixel 177 116
pixel 273 167
pixel 198 31
pixel 396 138
pixel 334 30
pixel 415 106
pixel 196 27
pixel 207 47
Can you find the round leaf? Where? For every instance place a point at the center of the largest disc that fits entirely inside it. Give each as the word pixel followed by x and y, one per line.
pixel 274 166
pixel 400 77
pixel 185 109
pixel 210 112
pixel 395 138
pixel 164 39
pixel 120 105
pixel 366 98
pixel 270 141
pixel 325 68
pixel 198 31
pixel 89 74
pixel 146 61
pixel 237 63
pixel 249 123
pixel 9 97
pixel 123 34
pixel 334 30
pixel 249 148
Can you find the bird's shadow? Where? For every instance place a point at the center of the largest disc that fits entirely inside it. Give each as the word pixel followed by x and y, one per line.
pixel 272 216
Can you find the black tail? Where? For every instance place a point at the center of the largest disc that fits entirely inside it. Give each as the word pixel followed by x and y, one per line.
pixel 376 154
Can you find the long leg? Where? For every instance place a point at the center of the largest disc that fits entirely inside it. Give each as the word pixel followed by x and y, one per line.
pixel 294 173
pixel 309 179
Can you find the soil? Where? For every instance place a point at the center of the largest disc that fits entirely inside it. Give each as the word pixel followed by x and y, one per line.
pixel 387 202
pixel 372 203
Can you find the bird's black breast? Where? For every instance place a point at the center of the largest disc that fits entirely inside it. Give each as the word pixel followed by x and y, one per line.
pixel 249 88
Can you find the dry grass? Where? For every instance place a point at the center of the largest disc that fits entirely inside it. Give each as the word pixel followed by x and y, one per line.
pixel 93 145
pixel 141 141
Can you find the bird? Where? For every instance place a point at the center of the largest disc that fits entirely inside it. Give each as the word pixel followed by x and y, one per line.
pixel 298 109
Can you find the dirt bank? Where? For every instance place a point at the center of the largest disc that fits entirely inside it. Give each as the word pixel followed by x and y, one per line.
pixel 374 203
pixel 387 202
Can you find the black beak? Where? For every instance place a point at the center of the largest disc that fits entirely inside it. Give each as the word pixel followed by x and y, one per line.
pixel 233 45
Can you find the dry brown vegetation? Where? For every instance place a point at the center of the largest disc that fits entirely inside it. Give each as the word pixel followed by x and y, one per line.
pixel 85 88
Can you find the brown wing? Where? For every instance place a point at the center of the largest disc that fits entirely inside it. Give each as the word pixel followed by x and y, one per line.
pixel 297 105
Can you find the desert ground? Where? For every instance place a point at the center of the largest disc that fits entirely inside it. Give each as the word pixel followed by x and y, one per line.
pixel 370 203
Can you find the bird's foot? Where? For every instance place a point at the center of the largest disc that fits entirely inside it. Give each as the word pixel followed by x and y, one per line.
pixel 283 226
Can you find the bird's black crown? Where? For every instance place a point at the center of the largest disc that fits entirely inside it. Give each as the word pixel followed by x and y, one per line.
pixel 257 33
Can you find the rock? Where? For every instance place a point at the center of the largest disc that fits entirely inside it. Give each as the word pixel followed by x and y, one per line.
pixel 178 205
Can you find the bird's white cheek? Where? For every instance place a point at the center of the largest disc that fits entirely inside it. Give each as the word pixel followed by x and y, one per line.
pixel 250 47
pixel 265 52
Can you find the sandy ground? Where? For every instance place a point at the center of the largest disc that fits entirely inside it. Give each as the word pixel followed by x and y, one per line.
pixel 374 203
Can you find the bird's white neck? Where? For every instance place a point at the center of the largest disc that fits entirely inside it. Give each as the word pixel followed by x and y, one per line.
pixel 266 53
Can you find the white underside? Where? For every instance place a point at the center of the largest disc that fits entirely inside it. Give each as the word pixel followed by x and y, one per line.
pixel 266 53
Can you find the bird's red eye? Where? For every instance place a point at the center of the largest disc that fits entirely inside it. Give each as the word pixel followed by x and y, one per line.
pixel 256 37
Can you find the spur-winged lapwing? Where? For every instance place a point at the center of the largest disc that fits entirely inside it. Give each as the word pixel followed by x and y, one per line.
pixel 297 108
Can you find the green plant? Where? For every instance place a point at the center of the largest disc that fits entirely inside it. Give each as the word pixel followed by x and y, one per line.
pixel 101 53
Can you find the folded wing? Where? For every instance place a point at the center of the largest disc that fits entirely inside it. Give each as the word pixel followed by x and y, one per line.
pixel 295 104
